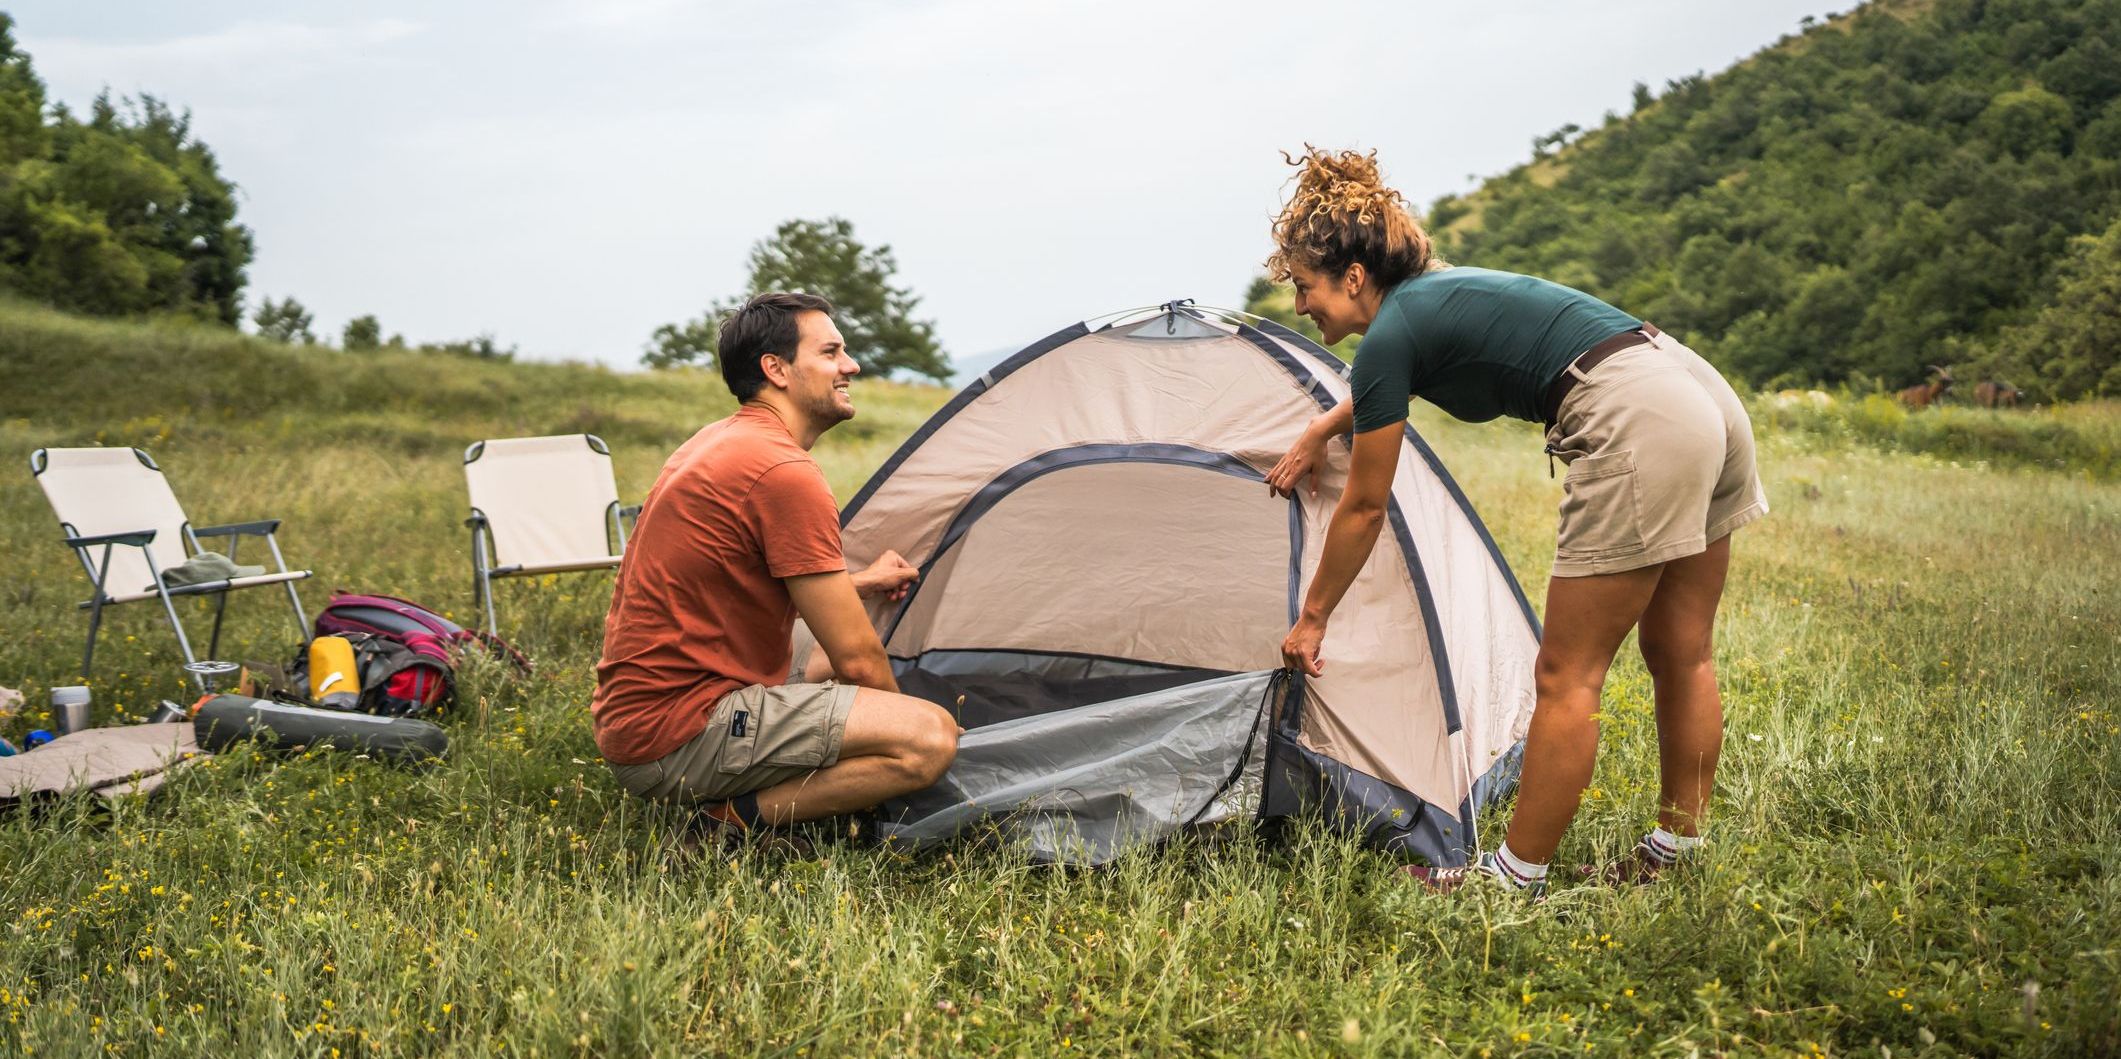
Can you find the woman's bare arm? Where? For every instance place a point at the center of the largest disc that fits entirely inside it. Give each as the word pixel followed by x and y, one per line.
pixel 1308 455
pixel 1350 537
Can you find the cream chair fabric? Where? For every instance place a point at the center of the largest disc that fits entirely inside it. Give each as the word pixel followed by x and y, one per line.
pixel 116 490
pixel 539 506
pixel 99 492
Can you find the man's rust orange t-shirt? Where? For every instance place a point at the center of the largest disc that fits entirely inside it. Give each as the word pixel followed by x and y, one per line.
pixel 700 609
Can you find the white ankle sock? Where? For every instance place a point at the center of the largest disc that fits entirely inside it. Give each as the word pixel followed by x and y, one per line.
pixel 1511 869
pixel 1665 847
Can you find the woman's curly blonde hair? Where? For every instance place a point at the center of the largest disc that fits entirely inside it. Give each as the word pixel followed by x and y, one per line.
pixel 1343 214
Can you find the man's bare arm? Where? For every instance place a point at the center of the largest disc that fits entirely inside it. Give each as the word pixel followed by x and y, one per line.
pixel 829 605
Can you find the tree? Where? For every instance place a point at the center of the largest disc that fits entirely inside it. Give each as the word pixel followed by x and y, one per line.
pixel 1259 290
pixel 824 258
pixel 362 333
pixel 1852 203
pixel 482 346
pixel 284 321
pixel 122 213
pixel 2027 121
pixel 691 342
pixel 1557 139
pixel 2073 347
pixel 22 132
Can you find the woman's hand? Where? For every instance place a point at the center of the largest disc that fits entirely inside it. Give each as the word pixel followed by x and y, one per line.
pixel 1299 650
pixel 1303 459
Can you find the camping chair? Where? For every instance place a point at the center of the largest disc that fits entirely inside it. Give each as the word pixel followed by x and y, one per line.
pixel 541 506
pixel 117 510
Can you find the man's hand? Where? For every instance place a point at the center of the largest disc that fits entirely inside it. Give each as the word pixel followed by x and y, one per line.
pixel 889 577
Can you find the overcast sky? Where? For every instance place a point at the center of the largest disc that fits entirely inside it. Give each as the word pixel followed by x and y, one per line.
pixel 570 175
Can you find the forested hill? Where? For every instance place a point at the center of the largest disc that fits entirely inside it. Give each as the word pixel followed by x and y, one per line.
pixel 1913 183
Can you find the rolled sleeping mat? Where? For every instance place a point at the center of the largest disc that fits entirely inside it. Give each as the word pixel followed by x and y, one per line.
pixel 221 721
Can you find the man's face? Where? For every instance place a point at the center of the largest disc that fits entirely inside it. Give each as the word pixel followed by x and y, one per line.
pixel 818 376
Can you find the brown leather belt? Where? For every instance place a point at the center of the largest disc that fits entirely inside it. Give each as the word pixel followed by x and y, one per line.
pixel 1550 404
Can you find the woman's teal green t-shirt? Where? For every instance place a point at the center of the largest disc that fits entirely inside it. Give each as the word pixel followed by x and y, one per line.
pixel 1474 342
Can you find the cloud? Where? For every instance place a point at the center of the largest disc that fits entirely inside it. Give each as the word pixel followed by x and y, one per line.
pixel 607 14
pixel 251 50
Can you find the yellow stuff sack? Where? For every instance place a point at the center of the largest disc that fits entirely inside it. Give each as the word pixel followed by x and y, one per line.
pixel 334 679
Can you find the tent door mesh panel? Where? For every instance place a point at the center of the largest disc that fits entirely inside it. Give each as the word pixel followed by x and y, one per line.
pixel 988 687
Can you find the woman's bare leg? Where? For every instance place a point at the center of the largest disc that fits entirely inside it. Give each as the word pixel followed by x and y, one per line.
pixel 1676 639
pixel 1587 618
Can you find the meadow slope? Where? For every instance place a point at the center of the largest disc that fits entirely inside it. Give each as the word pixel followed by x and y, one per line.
pixel 1916 846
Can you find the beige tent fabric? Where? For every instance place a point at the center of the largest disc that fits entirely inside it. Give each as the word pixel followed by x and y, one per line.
pixel 112 490
pixel 1491 650
pixel 1171 564
pixel 547 502
pixel 1217 394
pixel 1084 557
pixel 1378 706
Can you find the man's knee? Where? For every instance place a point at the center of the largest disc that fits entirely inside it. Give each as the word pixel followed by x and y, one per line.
pixel 927 747
pixel 937 747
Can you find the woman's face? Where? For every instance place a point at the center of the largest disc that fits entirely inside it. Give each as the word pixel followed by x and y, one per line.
pixel 1332 302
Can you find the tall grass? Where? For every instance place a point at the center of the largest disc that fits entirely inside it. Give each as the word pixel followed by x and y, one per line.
pixel 2082 438
pixel 1917 815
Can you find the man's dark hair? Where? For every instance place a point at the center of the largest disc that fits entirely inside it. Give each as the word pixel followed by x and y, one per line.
pixel 765 324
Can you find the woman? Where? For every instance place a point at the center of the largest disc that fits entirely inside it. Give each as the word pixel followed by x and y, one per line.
pixel 1660 471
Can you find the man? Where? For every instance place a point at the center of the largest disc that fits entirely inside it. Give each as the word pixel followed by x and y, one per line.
pixel 738 537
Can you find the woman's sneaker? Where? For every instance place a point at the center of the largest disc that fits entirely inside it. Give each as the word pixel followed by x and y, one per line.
pixel 1487 871
pixel 1658 852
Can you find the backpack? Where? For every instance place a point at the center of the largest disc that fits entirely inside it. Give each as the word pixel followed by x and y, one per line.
pixel 397 678
pixel 404 653
pixel 408 623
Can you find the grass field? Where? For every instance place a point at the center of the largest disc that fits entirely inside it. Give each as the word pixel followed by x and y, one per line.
pixel 1917 850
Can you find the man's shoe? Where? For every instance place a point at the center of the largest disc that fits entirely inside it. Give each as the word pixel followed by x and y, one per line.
pixel 705 834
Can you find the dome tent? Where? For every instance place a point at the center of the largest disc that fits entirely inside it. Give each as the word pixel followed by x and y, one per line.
pixel 1106 581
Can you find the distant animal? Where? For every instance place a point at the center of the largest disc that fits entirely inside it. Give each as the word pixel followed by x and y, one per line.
pixel 1930 392
pixel 1994 394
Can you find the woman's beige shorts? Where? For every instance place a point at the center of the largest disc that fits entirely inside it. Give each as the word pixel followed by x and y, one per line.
pixel 1660 455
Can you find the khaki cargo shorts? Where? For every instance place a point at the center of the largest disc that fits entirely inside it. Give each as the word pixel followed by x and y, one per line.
pixel 756 737
pixel 1660 456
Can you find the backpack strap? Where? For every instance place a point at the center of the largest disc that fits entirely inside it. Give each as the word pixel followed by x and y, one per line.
pixel 499 648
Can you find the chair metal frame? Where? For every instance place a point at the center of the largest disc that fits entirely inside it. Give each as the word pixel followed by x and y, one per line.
pixel 484 557
pixel 99 572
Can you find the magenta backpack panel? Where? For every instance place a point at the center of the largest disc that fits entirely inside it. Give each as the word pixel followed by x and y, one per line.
pixel 409 623
pixel 384 616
